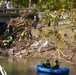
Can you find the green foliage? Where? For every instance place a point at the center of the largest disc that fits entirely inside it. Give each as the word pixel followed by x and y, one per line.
pixel 21 2
pixel 48 4
pixel 74 17
pixel 39 6
pixel 40 29
pixel 56 4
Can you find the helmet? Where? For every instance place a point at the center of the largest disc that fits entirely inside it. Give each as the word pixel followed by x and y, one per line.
pixel 8 2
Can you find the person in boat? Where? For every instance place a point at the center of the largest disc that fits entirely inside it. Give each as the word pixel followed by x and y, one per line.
pixel 56 64
pixel 46 64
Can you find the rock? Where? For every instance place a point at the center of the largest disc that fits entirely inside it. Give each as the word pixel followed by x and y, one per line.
pixel 4 53
pixel 23 51
pixel 73 59
pixel 17 54
pixel 10 52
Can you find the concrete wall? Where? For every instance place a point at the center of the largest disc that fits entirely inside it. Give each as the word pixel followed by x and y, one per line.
pixel 4 19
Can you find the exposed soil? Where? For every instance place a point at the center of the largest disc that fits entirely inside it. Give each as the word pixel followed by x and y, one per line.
pixel 59 44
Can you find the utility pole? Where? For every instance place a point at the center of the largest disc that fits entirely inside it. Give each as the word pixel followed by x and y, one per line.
pixel 40 0
pixel 29 3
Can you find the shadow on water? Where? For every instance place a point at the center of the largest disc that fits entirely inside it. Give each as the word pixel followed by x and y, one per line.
pixel 42 73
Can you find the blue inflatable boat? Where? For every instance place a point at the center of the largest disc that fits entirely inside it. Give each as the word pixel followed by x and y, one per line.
pixel 51 70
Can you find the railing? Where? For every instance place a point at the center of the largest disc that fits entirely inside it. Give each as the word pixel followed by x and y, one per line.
pixel 9 10
pixel 3 72
pixel 15 10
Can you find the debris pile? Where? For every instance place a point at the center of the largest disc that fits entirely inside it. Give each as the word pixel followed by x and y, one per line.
pixel 49 43
pixel 16 22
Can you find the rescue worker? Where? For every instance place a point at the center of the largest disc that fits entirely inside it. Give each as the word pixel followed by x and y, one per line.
pixel 29 34
pixel 35 25
pixel 0 41
pixel 23 35
pixel 6 43
pixel 56 64
pixel 10 40
pixel 47 64
pixel 56 20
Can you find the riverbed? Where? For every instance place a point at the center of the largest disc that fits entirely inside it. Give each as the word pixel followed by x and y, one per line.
pixel 28 66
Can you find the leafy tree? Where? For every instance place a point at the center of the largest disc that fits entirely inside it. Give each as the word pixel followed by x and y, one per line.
pixel 24 3
pixel 20 2
pixel 49 4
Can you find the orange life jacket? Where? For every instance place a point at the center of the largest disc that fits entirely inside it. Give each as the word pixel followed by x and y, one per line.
pixel 1 40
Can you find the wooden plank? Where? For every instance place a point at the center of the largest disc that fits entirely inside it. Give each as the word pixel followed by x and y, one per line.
pixel 18 9
pixel 8 14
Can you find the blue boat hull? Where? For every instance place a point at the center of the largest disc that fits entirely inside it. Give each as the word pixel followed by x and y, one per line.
pixel 59 71
pixel 42 73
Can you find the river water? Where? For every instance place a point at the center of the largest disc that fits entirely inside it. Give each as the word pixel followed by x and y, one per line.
pixel 28 66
